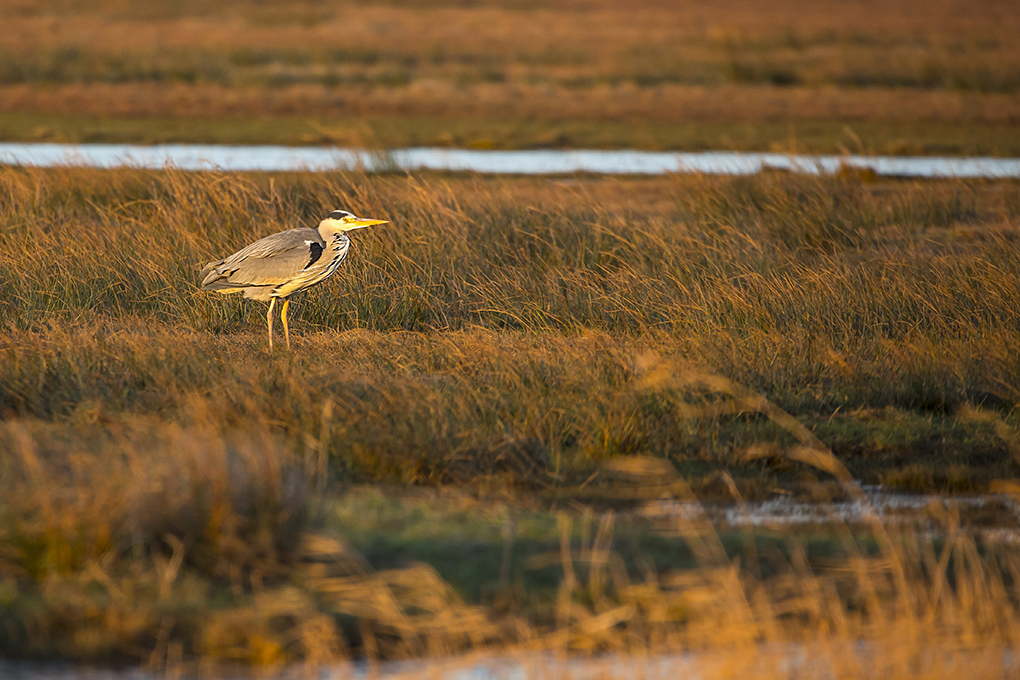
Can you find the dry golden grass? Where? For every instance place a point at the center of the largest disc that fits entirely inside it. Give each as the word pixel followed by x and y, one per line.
pixel 169 487
pixel 493 328
pixel 941 44
pixel 622 103
pixel 551 65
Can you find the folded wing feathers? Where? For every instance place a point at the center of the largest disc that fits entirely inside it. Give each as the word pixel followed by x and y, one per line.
pixel 272 260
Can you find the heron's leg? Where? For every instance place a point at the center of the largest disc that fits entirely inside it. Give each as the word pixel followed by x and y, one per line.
pixel 283 315
pixel 269 320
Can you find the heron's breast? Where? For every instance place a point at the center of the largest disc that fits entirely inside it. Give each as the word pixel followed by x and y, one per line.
pixel 317 272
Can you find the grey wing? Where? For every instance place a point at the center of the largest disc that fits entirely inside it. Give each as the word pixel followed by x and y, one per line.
pixel 269 261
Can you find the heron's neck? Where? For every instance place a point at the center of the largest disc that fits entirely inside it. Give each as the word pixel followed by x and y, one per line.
pixel 337 241
pixel 330 234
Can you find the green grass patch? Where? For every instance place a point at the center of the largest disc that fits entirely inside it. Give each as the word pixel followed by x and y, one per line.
pixel 488 548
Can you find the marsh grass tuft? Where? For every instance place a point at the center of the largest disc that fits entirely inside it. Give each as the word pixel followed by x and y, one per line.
pixel 493 328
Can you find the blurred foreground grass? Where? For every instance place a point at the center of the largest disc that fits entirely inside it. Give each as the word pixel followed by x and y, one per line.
pixel 185 551
pixel 174 493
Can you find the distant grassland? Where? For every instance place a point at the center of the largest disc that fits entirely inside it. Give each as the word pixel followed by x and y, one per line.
pixel 500 329
pixel 396 131
pixel 574 44
pixel 906 77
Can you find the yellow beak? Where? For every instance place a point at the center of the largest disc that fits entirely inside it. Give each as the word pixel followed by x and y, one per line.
pixel 350 225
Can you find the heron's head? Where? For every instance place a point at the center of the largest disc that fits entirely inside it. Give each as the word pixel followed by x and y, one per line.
pixel 341 220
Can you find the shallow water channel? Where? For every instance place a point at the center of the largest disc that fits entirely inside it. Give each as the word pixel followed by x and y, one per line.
pixel 799 661
pixel 875 502
pixel 492 668
pixel 528 162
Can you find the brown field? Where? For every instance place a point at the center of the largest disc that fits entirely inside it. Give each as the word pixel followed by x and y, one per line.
pixel 950 45
pixel 514 365
pixel 458 453
pixel 865 72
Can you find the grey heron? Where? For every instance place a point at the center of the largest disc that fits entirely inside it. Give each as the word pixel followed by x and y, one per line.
pixel 285 263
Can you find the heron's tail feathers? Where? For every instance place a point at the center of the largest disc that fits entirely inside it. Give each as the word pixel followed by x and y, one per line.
pixel 223 286
pixel 212 275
